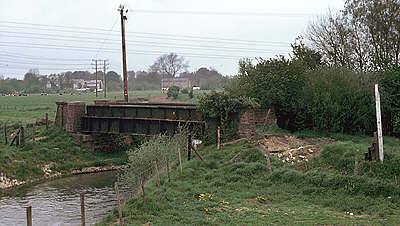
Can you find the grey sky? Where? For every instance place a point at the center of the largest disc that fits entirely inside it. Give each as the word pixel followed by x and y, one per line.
pixel 153 27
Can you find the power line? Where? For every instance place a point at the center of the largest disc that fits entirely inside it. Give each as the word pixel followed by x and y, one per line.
pixel 145 52
pixel 13 55
pixel 73 29
pixel 269 14
pixel 35 63
pixel 151 44
pixel 46 69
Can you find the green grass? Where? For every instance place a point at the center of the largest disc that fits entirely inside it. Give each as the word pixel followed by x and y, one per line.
pixel 324 194
pixel 59 149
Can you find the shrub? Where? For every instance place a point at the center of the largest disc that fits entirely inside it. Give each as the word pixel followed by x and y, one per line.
pixel 191 95
pixel 184 91
pixel 222 109
pixel 173 92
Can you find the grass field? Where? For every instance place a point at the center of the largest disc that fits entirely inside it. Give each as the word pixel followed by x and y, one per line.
pixel 243 192
pixel 22 108
pixel 58 149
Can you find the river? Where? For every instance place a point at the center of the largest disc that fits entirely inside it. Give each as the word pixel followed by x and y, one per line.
pixel 57 202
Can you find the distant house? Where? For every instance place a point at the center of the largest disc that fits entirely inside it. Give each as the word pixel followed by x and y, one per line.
pixel 85 85
pixel 180 82
pixel 48 85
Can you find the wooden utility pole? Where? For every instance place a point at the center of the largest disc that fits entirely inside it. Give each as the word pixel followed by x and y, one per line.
pixel 95 63
pixel 125 73
pixel 104 79
pixel 379 122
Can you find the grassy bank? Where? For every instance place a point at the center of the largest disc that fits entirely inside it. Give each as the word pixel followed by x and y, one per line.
pixel 58 151
pixel 243 192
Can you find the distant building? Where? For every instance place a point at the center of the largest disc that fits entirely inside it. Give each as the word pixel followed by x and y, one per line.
pixel 48 85
pixel 180 82
pixel 85 85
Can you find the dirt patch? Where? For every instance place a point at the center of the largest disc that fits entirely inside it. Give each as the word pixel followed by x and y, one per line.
pixel 291 149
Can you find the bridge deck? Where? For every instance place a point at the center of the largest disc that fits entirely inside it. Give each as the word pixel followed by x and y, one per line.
pixel 141 119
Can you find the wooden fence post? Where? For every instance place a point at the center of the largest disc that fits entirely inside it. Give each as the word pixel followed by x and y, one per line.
pixel 142 186
pixel 189 145
pixel 47 121
pixel 29 216
pixel 22 136
pixel 33 132
pixel 5 134
pixel 169 177
pixel 268 160
pixel 119 204
pixel 356 164
pixel 219 138
pixel 158 174
pixel 180 160
pixel 83 209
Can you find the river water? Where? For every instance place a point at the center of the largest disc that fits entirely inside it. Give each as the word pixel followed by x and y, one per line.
pixel 57 202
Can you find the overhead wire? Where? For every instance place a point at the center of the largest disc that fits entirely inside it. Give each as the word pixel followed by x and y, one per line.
pixel 110 50
pixel 72 29
pixel 150 44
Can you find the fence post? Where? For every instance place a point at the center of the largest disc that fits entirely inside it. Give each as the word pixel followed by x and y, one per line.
pixel 268 160
pixel 219 138
pixel 119 204
pixel 5 134
pixel 142 186
pixel 83 209
pixel 33 132
pixel 158 174
pixel 356 164
pixel 21 136
pixel 189 145
pixel 169 177
pixel 47 121
pixel 29 216
pixel 180 160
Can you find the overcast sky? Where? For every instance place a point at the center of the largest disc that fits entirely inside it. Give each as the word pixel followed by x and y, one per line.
pixel 58 35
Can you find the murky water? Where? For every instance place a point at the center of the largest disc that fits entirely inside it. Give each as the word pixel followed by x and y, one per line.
pixel 58 202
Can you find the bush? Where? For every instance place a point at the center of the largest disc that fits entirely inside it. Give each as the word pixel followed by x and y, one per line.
pixel 222 109
pixel 191 95
pixel 141 160
pixel 184 91
pixel 173 92
pixel 322 98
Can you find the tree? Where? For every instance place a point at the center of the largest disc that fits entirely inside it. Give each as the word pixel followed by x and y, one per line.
pixel 169 65
pixel 365 35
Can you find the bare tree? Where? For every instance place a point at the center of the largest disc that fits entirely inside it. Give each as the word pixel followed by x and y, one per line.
pixel 365 35
pixel 169 65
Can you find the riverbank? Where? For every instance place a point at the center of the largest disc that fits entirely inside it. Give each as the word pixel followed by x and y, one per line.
pixel 234 187
pixel 57 202
pixel 55 156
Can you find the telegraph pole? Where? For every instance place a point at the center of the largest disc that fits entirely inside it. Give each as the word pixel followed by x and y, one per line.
pixel 104 79
pixel 125 75
pixel 96 74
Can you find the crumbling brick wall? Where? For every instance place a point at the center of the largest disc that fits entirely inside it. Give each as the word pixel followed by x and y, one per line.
pixel 69 115
pixel 253 117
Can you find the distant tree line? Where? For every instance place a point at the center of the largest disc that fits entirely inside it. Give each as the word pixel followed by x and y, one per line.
pixel 166 66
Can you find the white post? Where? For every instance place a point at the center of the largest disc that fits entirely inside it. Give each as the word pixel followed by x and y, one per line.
pixel 379 122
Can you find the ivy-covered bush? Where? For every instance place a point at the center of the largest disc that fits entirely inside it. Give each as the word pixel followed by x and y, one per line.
pixel 173 92
pixel 222 109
